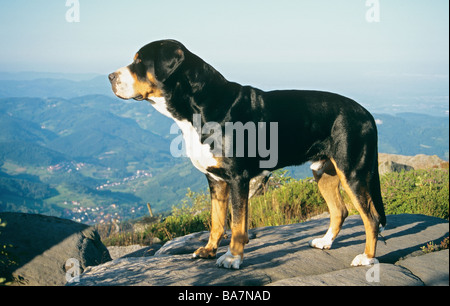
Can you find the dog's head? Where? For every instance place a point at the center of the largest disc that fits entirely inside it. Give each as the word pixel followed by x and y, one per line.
pixel 153 64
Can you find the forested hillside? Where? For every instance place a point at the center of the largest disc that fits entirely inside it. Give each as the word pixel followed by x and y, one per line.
pixel 91 158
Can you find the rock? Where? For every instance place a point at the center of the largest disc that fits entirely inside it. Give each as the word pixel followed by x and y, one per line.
pixel 324 215
pixel 391 276
pixel 43 246
pixel 258 184
pixel 391 166
pixel 420 161
pixel 184 245
pixel 431 268
pixel 133 251
pixel 281 256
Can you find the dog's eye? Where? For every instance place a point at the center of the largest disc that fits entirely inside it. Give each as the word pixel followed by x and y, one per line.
pixel 138 61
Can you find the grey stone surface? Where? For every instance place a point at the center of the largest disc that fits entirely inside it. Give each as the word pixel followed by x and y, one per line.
pixel 387 275
pixel 431 268
pixel 133 251
pixel 42 246
pixel 281 256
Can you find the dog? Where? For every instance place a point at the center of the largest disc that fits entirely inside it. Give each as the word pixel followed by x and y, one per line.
pixel 333 132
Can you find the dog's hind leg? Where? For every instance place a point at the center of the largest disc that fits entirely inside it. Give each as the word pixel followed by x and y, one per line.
pixel 220 192
pixel 359 192
pixel 328 182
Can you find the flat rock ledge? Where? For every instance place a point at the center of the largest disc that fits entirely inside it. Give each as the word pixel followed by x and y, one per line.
pixel 281 256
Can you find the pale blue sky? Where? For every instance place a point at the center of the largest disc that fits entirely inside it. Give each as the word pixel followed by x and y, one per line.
pixel 287 43
pixel 36 36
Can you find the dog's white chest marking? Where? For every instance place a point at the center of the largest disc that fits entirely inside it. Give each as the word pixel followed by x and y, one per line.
pixel 200 154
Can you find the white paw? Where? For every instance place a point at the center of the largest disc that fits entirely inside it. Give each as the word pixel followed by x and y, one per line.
pixel 321 243
pixel 229 260
pixel 362 260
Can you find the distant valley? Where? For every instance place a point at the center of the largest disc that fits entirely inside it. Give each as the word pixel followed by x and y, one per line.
pixel 91 158
pixel 70 149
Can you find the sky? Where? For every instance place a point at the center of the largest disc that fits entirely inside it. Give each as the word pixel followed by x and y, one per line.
pixel 270 44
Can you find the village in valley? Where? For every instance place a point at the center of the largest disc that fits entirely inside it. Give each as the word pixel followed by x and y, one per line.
pixel 89 213
pixel 75 211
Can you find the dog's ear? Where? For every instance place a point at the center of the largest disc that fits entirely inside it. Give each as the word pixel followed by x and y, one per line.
pixel 171 56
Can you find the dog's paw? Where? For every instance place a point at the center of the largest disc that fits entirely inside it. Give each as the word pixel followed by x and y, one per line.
pixel 229 260
pixel 205 253
pixel 321 243
pixel 362 260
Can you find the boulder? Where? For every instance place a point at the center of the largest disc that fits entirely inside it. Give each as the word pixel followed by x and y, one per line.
pixel 48 250
pixel 391 166
pixel 420 161
pixel 281 256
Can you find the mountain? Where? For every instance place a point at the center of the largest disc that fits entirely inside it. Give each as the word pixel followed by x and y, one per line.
pixel 88 152
pixel 412 134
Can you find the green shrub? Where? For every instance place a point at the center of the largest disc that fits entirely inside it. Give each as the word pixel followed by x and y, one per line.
pixel 293 202
pixel 432 247
pixel 417 192
pixel 176 226
pixel 193 214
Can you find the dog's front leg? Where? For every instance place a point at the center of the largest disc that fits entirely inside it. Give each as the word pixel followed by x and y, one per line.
pixel 234 257
pixel 220 192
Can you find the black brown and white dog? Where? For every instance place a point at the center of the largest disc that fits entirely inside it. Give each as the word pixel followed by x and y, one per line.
pixel 335 133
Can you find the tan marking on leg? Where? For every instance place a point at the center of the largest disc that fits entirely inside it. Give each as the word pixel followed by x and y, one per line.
pixel 239 230
pixel 328 183
pixel 219 201
pixel 363 203
pixel 239 227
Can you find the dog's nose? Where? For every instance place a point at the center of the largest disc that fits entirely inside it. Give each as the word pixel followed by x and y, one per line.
pixel 112 76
